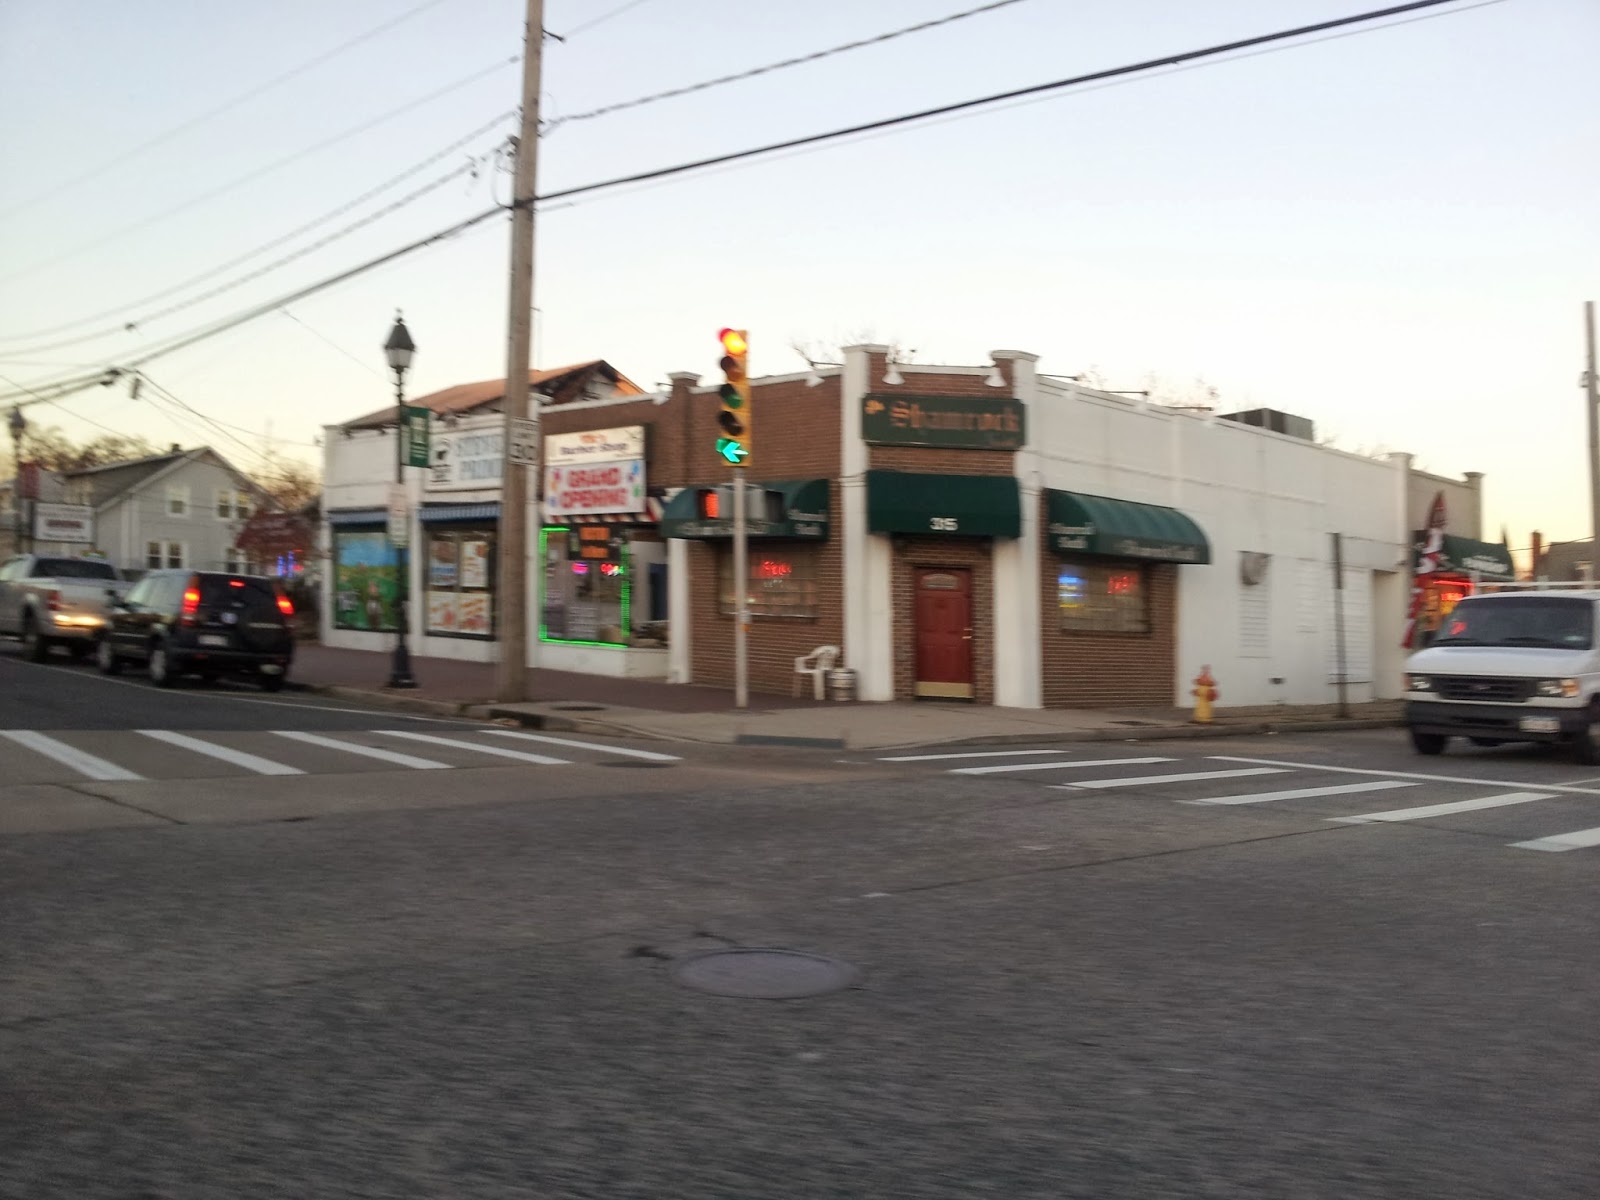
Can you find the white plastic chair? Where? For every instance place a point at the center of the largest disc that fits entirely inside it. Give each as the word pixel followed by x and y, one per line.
pixel 817 664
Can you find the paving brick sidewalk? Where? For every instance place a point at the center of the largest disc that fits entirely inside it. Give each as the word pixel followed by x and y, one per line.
pixel 451 681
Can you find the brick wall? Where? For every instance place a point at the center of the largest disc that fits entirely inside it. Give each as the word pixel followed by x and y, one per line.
pixel 774 642
pixel 971 553
pixel 1088 670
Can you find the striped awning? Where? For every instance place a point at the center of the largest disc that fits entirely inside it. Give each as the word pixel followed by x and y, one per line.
pixel 358 516
pixel 434 513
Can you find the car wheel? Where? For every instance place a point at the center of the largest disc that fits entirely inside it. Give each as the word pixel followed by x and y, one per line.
pixel 271 683
pixel 1428 743
pixel 79 650
pixel 106 658
pixel 35 646
pixel 161 672
pixel 1586 742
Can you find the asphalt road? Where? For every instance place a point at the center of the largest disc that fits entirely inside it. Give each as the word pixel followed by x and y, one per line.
pixel 1070 985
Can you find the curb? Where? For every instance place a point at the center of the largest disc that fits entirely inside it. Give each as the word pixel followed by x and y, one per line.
pixel 1168 733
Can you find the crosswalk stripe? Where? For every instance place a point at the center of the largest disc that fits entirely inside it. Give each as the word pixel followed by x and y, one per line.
pixel 1444 810
pixel 388 756
pixel 250 762
pixel 86 764
pixel 498 751
pixel 973 754
pixel 1056 766
pixel 625 751
pixel 1337 789
pixel 1580 840
pixel 1185 777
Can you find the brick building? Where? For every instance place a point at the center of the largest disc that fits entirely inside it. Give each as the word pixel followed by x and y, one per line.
pixel 982 533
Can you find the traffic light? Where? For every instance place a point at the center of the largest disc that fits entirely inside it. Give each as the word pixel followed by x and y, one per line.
pixel 733 422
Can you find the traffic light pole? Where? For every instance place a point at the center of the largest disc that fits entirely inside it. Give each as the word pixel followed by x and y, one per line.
pixel 511 670
pixel 741 605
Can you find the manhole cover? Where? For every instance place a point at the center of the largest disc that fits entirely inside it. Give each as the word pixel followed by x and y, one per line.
pixel 764 974
pixel 579 707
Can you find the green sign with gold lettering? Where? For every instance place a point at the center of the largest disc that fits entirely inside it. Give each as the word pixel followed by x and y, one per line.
pixel 950 422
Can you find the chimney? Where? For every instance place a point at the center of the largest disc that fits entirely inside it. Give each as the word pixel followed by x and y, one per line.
pixel 177 448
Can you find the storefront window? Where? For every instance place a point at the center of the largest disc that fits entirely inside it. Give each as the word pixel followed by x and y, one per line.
pixel 783 581
pixel 460 582
pixel 1102 599
pixel 586 585
pixel 366 581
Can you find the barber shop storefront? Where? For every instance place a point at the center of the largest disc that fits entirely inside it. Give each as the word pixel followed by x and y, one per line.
pixel 604 588
pixel 1110 583
pixel 941 530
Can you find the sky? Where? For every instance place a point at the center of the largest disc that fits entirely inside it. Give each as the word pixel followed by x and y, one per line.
pixel 1390 232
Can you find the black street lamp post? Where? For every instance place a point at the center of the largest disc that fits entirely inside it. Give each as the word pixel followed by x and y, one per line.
pixel 399 349
pixel 19 426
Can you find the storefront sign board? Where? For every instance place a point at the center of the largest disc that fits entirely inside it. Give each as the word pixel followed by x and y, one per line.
pixel 595 446
pixel 466 460
pixel 949 422
pixel 597 487
pixel 63 523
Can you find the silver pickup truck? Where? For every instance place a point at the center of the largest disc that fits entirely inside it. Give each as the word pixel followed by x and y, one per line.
pixel 51 600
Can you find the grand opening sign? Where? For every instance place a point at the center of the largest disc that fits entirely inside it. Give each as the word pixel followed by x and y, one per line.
pixel 597 472
pixel 616 487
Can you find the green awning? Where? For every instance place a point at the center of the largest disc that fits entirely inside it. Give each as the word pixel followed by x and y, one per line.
pixel 959 505
pixel 791 508
pixel 1084 524
pixel 1468 556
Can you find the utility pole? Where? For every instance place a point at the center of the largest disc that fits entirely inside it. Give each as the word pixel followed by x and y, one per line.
pixel 741 606
pixel 511 679
pixel 1592 406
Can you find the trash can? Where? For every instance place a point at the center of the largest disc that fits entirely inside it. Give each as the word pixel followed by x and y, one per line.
pixel 842 683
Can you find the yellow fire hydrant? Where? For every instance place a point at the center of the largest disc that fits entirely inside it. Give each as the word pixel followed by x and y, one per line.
pixel 1205 694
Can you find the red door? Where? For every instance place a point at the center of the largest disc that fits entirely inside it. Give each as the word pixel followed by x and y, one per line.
pixel 944 632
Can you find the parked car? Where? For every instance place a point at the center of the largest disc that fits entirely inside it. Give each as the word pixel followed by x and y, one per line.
pixel 206 623
pixel 1511 666
pixel 53 600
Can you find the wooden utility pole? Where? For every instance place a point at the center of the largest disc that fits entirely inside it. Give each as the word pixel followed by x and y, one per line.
pixel 511 678
pixel 1592 407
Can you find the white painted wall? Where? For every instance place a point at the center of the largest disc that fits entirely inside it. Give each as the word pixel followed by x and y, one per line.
pixel 1249 490
pixel 868 560
pixel 1018 670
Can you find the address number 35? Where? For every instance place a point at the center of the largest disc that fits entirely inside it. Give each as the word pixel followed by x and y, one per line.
pixel 943 524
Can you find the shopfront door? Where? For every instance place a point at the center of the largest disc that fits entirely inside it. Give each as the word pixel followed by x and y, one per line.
pixel 944 633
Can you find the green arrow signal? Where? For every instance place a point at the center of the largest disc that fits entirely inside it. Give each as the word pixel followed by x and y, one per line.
pixel 732 450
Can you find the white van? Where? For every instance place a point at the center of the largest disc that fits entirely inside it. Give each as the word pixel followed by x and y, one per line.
pixel 1511 666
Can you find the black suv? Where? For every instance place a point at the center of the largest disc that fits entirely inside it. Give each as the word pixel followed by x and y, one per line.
pixel 206 623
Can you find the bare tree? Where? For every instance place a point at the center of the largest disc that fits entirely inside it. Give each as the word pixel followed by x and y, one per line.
pixel 53 450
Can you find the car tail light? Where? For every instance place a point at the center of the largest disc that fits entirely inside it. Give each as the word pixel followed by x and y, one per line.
pixel 53 601
pixel 191 603
pixel 285 606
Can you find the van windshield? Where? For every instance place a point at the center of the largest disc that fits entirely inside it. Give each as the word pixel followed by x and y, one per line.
pixel 1562 622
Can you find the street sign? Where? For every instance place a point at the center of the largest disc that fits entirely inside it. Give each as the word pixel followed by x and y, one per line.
pixel 413 435
pixel 399 516
pixel 522 442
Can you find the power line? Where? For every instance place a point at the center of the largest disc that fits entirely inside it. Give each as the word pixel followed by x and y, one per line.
pixel 251 176
pixel 330 342
pixel 227 106
pixel 814 139
pixel 615 12
pixel 995 98
pixel 213 272
pixel 222 288
pixel 551 126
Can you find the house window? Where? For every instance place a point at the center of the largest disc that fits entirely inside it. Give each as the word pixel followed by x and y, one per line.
pixel 1101 598
pixel 174 554
pixel 782 580
pixel 241 504
pixel 238 562
pixel 152 555
pixel 177 502
pixel 232 504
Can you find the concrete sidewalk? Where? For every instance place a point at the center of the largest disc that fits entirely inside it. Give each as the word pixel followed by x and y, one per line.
pixel 563 700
